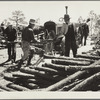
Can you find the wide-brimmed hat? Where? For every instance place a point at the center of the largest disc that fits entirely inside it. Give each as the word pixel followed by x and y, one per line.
pixel 67 16
pixel 32 21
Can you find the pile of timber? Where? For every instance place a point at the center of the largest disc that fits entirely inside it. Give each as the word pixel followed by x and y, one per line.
pixel 62 74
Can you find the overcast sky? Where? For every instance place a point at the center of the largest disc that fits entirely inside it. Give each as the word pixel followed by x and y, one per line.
pixel 49 10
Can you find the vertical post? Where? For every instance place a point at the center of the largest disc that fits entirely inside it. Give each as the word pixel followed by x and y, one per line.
pixel 66 9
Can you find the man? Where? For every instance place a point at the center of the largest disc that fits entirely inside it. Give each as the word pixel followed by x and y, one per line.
pixel 69 31
pixel 11 36
pixel 27 38
pixel 85 32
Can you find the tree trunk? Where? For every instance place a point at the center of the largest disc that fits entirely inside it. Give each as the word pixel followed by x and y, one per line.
pixel 17 87
pixel 88 56
pixel 23 75
pixel 67 58
pixel 71 62
pixel 65 81
pixel 68 87
pixel 86 83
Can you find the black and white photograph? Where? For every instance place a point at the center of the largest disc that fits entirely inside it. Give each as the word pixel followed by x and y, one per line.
pixel 49 47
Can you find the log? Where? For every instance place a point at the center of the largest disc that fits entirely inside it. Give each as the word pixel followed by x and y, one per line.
pixel 40 81
pixel 71 62
pixel 67 58
pixel 17 87
pixel 61 69
pixel 71 78
pixel 86 83
pixel 40 74
pixel 68 87
pixel 31 86
pixel 55 72
pixel 10 78
pixel 94 68
pixel 6 88
pixel 88 56
pixel 54 66
pixel 52 71
pixel 65 81
pixel 23 75
pixel 2 90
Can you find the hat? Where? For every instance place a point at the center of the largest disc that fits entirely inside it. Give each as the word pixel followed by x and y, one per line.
pixel 88 20
pixel 66 16
pixel 2 24
pixel 32 21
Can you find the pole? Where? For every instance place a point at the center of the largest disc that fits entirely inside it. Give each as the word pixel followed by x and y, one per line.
pixel 66 9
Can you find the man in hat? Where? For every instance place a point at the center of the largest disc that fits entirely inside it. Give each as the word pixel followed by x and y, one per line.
pixel 27 38
pixel 69 31
pixel 85 31
pixel 11 36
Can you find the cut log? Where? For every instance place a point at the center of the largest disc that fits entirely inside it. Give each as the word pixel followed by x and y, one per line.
pixel 67 58
pixel 23 75
pixel 17 87
pixel 95 68
pixel 88 56
pixel 62 69
pixel 70 62
pixel 6 88
pixel 10 78
pixel 52 71
pixel 71 78
pixel 40 74
pixel 65 81
pixel 54 66
pixel 68 87
pixel 86 83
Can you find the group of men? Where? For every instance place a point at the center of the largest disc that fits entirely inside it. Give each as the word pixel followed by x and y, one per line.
pixel 10 35
pixel 68 30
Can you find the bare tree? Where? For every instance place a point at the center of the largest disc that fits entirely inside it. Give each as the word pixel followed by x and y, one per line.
pixel 18 18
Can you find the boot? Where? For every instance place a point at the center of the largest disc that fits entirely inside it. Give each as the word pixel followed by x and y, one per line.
pixel 20 63
pixel 9 58
pixel 30 57
pixel 29 61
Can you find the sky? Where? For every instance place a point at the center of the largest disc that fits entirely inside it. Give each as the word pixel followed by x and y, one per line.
pixel 49 10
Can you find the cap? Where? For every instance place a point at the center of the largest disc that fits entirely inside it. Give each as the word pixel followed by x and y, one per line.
pixel 32 21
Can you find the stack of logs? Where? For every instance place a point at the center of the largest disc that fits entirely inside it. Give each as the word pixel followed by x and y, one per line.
pixel 62 74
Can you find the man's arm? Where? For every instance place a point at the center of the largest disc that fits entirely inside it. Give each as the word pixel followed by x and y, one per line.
pixel 32 35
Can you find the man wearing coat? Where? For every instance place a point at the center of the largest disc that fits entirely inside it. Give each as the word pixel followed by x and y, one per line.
pixel 27 38
pixel 69 31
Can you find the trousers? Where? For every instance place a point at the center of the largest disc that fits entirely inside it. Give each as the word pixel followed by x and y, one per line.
pixel 11 51
pixel 70 45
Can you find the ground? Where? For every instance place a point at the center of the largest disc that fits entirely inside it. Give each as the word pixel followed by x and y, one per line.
pixel 4 56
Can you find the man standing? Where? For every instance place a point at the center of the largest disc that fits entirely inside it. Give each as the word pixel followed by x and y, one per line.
pixel 27 38
pixel 85 29
pixel 11 36
pixel 69 31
